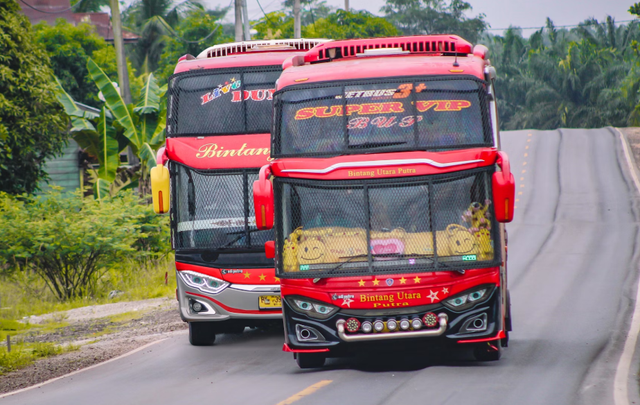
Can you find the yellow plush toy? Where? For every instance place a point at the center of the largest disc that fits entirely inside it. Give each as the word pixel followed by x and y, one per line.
pixel 478 216
pixel 483 236
pixel 461 241
pixel 290 252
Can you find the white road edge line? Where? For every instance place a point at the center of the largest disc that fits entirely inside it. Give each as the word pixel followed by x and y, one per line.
pixel 621 379
pixel 82 370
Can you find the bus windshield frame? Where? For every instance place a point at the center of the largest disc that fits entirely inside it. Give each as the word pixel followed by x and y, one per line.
pixel 403 113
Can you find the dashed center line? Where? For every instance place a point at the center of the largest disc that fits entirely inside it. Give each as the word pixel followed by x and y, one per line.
pixel 524 163
pixel 305 392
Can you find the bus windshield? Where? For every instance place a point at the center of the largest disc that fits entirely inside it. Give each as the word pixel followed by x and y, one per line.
pixel 221 101
pixel 390 114
pixel 214 211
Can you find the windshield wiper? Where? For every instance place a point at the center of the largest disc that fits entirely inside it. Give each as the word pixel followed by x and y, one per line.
pixel 243 234
pixel 351 258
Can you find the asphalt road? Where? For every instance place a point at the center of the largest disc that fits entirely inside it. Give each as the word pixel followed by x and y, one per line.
pixel 572 276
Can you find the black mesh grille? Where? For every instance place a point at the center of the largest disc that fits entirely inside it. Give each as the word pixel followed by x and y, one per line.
pixel 394 114
pixel 221 101
pixel 347 228
pixel 212 210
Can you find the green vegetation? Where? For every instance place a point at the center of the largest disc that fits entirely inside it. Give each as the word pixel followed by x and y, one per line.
pixel 118 126
pixel 69 47
pixel 585 77
pixel 337 25
pixel 22 354
pixel 72 242
pixel 25 294
pixel 196 25
pixel 416 17
pixel 31 122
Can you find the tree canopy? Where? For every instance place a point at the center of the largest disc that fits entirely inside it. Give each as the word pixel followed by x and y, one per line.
pixel 194 33
pixel 31 120
pixel 339 24
pixel 415 17
pixel 585 77
pixel 69 47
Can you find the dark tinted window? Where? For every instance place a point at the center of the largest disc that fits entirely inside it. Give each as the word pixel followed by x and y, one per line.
pixel 220 102
pixel 375 116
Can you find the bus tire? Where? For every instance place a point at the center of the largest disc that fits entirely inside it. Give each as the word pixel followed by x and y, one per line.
pixel 201 334
pixel 310 360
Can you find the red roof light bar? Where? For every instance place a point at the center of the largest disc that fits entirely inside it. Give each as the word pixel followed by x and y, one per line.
pixel 423 44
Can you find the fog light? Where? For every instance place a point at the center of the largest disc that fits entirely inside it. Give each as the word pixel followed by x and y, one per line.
pixel 430 319
pixel 196 306
pixel 378 326
pixel 367 327
pixel 392 324
pixel 352 325
pixel 404 324
pixel 416 323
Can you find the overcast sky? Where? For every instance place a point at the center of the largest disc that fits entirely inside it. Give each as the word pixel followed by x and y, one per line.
pixel 499 13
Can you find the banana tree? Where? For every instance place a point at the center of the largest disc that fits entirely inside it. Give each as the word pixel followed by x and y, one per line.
pixel 98 137
pixel 143 125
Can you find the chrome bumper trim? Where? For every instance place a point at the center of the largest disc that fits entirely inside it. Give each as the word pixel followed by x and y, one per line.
pixel 256 287
pixel 443 320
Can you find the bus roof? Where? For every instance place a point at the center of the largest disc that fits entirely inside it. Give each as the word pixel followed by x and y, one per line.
pixel 247 53
pixel 386 57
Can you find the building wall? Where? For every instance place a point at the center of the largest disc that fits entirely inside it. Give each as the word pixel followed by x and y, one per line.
pixel 64 171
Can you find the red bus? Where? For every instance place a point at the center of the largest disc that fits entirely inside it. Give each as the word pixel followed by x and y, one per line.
pixel 218 124
pixel 388 193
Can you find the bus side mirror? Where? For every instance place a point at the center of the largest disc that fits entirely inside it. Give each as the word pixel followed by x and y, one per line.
pixel 504 190
pixel 160 189
pixel 270 249
pixel 263 199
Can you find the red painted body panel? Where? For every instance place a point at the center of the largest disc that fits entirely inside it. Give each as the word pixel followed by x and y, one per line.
pixel 220 152
pixel 407 290
pixel 235 275
pixel 500 335
pixel 239 60
pixel 286 348
pixel 397 164
pixel 385 66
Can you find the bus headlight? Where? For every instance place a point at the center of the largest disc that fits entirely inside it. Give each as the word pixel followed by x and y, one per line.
pixel 312 308
pixel 202 282
pixel 469 298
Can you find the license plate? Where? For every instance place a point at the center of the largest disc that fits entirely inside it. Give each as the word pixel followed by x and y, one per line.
pixel 270 301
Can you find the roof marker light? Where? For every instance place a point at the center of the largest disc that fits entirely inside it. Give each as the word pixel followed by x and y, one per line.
pixel 382 52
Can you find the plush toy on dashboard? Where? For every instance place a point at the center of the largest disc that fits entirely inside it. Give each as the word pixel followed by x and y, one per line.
pixel 478 216
pixel 290 251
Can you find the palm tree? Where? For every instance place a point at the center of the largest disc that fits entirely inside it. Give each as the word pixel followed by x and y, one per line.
pixel 153 20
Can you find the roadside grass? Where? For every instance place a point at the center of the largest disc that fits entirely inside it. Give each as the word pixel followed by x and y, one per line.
pixel 23 354
pixel 23 295
pixel 127 316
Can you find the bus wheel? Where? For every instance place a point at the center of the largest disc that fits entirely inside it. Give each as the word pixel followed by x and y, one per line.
pixel 201 334
pixel 310 360
pixel 490 351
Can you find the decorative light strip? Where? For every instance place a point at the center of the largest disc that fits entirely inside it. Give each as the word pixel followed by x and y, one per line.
pixel 395 162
